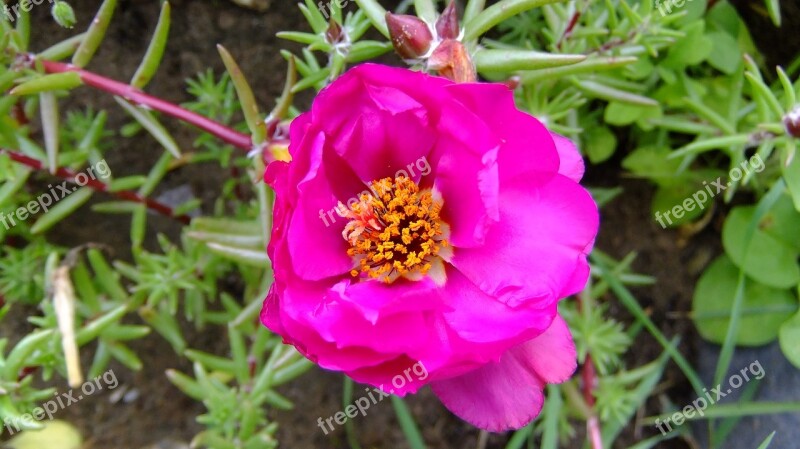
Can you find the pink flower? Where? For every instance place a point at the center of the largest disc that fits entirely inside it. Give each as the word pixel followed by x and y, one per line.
pixel 427 223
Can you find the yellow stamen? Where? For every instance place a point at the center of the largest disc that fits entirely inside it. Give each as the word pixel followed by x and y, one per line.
pixel 396 233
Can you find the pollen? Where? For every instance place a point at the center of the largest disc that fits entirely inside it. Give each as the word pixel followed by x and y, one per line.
pixel 394 232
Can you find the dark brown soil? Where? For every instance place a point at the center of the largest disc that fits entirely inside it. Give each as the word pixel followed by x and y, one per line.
pixel 161 412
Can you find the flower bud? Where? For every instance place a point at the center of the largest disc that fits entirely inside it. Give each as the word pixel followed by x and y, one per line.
pixel 334 34
pixel 410 35
pixel 63 14
pixel 451 60
pixel 447 24
pixel 792 122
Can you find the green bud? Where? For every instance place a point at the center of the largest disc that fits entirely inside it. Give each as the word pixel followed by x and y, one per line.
pixel 63 14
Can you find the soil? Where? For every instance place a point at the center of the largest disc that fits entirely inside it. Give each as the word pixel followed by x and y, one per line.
pixel 159 412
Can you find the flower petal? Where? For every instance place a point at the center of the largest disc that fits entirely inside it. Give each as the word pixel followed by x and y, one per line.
pixel 541 240
pixel 571 164
pixel 479 317
pixel 528 147
pixel 508 394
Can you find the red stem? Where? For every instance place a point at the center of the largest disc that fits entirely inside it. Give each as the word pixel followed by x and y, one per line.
pixel 593 423
pixel 138 97
pixel 589 377
pixel 568 31
pixel 127 195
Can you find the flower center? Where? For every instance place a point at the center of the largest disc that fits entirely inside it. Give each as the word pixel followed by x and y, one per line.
pixel 395 232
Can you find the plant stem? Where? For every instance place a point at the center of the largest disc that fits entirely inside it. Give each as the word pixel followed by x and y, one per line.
pixel 593 423
pixel 589 377
pixel 137 97
pixel 69 175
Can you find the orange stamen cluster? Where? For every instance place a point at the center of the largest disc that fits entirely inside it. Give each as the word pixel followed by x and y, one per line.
pixel 396 232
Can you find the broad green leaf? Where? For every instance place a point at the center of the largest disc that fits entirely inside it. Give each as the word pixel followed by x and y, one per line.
pixel 782 222
pixel 599 144
pixel 725 55
pixel 623 113
pixel 691 49
pixel 724 17
pixel 764 308
pixel 679 203
pixel 729 344
pixel 789 336
pixel 694 9
pixel 768 260
pixel 653 163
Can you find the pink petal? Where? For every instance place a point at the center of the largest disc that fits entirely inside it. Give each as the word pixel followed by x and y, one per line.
pixel 531 254
pixel 552 354
pixel 571 160
pixel 508 394
pixel 478 317
pixel 317 249
pixel 528 147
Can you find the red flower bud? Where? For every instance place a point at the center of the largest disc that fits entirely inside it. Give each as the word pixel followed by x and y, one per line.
pixel 410 35
pixel 447 24
pixel 451 60
pixel 334 34
pixel 792 122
